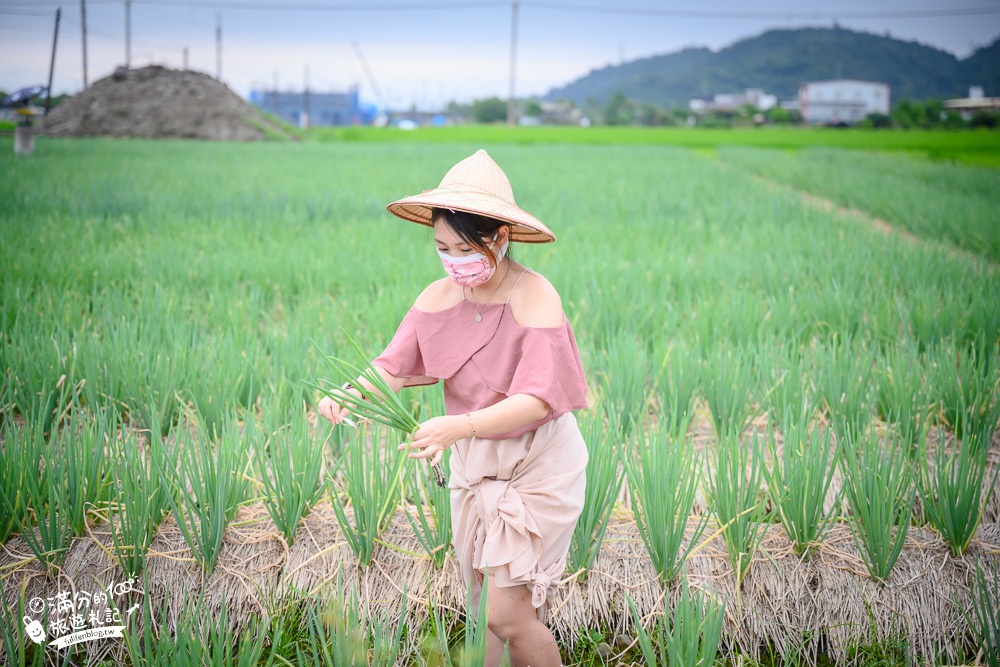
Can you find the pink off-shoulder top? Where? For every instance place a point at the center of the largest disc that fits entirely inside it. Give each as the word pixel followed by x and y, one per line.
pixel 482 363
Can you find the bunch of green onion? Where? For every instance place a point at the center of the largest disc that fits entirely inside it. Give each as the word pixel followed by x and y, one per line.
pixel 379 404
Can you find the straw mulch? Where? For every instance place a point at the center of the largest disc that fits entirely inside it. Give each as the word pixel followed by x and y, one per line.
pixel 820 605
pixel 805 608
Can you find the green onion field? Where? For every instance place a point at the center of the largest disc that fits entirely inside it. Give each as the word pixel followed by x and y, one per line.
pixel 793 352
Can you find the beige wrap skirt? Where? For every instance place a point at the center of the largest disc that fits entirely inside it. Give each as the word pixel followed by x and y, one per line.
pixel 514 505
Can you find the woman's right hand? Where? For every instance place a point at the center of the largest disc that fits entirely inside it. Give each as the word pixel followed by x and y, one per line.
pixel 331 410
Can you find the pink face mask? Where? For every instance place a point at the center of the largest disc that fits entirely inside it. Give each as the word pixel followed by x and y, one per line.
pixel 471 270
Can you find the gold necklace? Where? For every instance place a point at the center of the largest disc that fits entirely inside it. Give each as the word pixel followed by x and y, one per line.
pixel 479 311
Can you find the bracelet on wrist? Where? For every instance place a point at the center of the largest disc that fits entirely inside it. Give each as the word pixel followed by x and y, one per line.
pixel 471 423
pixel 347 386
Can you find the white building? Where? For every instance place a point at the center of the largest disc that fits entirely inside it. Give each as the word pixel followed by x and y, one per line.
pixel 975 102
pixel 842 100
pixel 729 102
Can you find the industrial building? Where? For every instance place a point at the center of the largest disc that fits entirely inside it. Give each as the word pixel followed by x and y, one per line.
pixel 308 108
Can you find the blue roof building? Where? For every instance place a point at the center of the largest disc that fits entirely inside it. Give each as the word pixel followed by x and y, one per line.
pixel 322 108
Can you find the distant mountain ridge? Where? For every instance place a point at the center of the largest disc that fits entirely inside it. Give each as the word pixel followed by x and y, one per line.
pixel 779 60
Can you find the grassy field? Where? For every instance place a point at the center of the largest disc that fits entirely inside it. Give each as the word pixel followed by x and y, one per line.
pixel 930 199
pixel 964 147
pixel 186 288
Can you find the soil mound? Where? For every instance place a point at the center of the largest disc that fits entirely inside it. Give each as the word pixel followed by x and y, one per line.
pixel 157 102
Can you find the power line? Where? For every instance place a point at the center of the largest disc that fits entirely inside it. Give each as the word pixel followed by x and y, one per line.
pixel 683 13
pixel 604 9
pixel 310 7
pixel 18 11
pixel 54 3
pixel 118 37
pixel 14 28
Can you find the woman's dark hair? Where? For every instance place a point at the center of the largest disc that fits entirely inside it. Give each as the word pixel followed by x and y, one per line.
pixel 476 230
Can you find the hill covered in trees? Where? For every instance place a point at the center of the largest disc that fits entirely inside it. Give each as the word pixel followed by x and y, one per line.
pixel 779 60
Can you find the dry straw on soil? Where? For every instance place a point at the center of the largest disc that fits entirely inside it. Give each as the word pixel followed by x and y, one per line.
pixel 820 605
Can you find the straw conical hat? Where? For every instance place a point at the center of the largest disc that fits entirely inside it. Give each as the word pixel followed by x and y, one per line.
pixel 477 184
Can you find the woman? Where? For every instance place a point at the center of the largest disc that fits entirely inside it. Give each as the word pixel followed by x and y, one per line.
pixel 495 332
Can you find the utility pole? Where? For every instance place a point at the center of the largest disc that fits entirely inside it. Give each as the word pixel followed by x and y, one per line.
pixel 83 27
pixel 305 99
pixel 218 46
pixel 511 101
pixel 52 62
pixel 277 103
pixel 128 34
pixel 185 58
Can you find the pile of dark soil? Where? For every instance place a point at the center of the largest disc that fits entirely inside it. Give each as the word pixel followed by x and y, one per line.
pixel 158 102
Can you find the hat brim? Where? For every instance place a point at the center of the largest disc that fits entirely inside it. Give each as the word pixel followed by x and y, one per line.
pixel 525 227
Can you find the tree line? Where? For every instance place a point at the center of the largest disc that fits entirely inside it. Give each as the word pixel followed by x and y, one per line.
pixel 624 111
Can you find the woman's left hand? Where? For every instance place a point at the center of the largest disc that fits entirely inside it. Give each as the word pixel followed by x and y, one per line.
pixel 434 436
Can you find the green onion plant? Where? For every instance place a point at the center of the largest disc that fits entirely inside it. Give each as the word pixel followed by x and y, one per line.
pixel 985 591
pixel 902 397
pixel 338 638
pixel 289 464
pixel 472 652
pixel 19 466
pixel 150 361
pixel 82 444
pixel 879 486
pixel 951 488
pixel 845 383
pixel 728 380
pixel 40 494
pixel 687 637
pixel 624 381
pixel 375 486
pixel 44 374
pixel 17 646
pixel 206 492
pixel 800 477
pixel 141 500
pixel 604 480
pixel 678 384
pixel 201 638
pixel 784 378
pixel 736 498
pixel 967 380
pixel 373 482
pixel 227 379
pixel 149 643
pixel 662 472
pixel 433 500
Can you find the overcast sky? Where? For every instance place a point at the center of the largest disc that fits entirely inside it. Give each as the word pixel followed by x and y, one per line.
pixel 426 53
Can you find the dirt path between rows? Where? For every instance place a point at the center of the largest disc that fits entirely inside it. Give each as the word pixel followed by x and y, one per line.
pixel 879 224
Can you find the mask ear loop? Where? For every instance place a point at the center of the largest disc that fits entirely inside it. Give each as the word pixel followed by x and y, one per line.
pixel 504 254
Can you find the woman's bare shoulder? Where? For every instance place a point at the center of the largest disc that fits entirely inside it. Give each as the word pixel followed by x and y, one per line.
pixel 535 302
pixel 439 295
